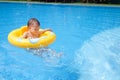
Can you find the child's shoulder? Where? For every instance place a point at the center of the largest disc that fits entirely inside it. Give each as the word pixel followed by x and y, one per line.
pixel 26 32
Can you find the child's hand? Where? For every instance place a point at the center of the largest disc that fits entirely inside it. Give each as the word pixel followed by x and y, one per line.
pixel 48 29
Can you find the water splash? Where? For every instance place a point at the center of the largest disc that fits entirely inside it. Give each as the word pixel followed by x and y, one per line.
pixel 49 55
pixel 99 58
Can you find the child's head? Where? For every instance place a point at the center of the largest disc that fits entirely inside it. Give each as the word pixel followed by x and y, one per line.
pixel 33 24
pixel 33 21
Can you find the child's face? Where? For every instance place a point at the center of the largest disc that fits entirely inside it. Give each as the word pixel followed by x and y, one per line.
pixel 34 28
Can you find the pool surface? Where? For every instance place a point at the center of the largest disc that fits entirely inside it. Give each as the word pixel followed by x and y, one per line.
pixel 88 37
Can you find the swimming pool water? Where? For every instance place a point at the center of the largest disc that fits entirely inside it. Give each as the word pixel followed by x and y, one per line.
pixel 88 37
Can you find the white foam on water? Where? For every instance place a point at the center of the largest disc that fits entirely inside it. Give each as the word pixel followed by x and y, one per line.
pixel 99 57
pixel 47 54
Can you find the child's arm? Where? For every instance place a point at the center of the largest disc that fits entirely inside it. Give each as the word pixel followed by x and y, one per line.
pixel 45 30
pixel 24 35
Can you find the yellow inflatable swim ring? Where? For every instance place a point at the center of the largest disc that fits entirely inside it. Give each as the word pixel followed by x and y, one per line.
pixel 44 40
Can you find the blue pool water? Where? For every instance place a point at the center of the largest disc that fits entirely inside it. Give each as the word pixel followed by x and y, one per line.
pixel 88 37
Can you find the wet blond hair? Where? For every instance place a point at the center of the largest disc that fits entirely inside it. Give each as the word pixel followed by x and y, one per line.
pixel 32 21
